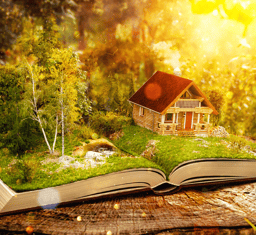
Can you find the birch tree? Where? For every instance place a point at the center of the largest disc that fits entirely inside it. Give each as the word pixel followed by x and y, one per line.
pixel 39 114
pixel 65 73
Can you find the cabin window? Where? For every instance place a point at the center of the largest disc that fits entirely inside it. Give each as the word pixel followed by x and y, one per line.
pixel 168 117
pixel 141 111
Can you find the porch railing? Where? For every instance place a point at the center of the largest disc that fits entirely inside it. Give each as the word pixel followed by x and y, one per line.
pixel 171 128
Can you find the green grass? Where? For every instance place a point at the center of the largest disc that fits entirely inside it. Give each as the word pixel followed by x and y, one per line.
pixel 172 150
pixel 46 175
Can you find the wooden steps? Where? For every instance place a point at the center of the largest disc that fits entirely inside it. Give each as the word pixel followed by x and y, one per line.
pixel 189 133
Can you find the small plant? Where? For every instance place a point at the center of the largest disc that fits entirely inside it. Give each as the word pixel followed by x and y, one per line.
pixel 238 143
pixel 109 123
pixel 85 132
pixel 22 170
pixel 95 136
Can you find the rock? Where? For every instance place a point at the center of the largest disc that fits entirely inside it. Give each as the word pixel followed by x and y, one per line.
pixel 150 150
pixel 94 159
pixel 219 131
pixel 93 155
pixel 79 151
pixel 66 159
pixel 77 164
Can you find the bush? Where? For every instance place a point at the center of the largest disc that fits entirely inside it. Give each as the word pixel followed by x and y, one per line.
pixel 24 136
pixel 238 143
pixel 22 170
pixel 85 132
pixel 108 123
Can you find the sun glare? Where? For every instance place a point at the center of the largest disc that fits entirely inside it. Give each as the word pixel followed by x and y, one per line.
pixel 244 43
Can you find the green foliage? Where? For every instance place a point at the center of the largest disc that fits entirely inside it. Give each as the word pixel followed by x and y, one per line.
pixel 108 123
pixel 172 150
pixel 95 136
pixel 65 72
pixel 17 133
pixel 216 98
pixel 10 24
pixel 23 170
pixel 239 143
pixel 84 132
pixel 12 86
pixel 22 137
pixel 83 103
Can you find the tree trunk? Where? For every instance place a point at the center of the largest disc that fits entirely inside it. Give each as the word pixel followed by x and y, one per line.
pixel 45 137
pixel 34 103
pixel 62 122
pixel 56 132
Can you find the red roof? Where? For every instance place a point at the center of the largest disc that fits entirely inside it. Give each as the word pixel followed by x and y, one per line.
pixel 162 90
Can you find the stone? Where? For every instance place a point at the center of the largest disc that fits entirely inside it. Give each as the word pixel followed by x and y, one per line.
pixel 219 131
pixel 77 164
pixel 79 151
pixel 92 154
pixel 66 159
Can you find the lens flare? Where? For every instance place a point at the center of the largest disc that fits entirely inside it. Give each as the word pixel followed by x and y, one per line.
pixel 117 206
pixel 29 230
pixel 244 43
pixel 48 198
pixel 153 91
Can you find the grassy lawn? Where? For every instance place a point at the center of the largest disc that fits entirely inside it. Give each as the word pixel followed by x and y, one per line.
pixel 46 175
pixel 172 150
pixel 169 152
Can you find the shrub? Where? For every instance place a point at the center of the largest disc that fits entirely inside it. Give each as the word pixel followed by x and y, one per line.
pixel 22 170
pixel 108 123
pixel 85 132
pixel 238 143
pixel 23 136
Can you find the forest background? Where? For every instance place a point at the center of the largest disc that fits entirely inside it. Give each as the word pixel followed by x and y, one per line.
pixel 64 61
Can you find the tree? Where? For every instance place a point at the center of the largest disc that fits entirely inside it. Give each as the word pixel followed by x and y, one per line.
pixel 39 114
pixel 65 73
pixel 17 133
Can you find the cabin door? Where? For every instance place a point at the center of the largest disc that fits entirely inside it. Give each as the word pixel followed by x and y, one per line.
pixel 188 121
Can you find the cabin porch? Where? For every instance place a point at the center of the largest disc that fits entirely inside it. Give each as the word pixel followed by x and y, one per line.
pixel 184 124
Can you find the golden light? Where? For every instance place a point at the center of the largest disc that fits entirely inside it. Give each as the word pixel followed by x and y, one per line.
pixel 29 230
pixel 244 43
pixel 79 218
pixel 245 4
pixel 117 206
pixel 109 232
pixel 143 214
pixel 215 12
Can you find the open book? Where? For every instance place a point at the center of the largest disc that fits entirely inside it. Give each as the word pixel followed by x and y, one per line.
pixel 189 173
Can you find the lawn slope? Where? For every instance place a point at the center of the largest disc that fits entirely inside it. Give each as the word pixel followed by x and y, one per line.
pixel 172 150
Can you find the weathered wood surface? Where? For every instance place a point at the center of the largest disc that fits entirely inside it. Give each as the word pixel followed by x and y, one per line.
pixel 201 210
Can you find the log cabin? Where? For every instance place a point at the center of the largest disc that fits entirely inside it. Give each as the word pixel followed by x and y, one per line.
pixel 172 105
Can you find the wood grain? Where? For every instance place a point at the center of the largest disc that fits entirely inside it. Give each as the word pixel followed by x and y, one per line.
pixel 202 210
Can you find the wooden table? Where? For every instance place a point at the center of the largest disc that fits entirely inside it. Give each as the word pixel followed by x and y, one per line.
pixel 202 210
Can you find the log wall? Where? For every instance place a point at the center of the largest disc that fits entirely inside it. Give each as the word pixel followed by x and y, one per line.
pixel 147 119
